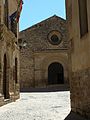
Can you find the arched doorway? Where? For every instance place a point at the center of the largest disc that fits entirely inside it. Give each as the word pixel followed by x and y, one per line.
pixel 5 79
pixel 55 73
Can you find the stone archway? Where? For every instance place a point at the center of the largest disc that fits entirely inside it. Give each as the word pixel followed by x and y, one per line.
pixel 55 73
pixel 47 61
pixel 5 79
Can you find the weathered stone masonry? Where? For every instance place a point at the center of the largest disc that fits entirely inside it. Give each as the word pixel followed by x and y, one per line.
pixel 80 83
pixel 41 51
pixel 9 55
pixel 79 57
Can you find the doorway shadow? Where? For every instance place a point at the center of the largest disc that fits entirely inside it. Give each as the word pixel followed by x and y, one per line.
pixel 46 89
pixel 74 116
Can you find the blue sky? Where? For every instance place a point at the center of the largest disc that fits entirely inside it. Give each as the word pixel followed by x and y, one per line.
pixel 35 11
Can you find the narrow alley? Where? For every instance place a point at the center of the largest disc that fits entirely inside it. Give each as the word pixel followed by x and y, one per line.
pixel 38 106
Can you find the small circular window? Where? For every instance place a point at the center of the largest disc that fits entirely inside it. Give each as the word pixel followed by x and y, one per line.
pixel 54 37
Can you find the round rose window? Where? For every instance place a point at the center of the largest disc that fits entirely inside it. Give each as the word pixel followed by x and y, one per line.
pixel 54 37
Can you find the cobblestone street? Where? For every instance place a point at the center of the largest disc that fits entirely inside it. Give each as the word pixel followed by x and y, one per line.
pixel 38 106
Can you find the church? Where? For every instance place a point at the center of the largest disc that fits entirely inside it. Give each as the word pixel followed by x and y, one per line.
pixel 52 52
pixel 44 54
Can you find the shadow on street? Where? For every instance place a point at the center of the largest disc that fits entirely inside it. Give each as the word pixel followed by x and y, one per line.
pixel 74 116
pixel 47 89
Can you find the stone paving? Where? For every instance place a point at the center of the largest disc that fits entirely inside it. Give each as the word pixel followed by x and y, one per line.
pixel 38 106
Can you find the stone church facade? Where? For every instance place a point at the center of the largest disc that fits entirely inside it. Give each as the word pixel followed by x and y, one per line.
pixel 9 53
pixel 44 59
pixel 78 18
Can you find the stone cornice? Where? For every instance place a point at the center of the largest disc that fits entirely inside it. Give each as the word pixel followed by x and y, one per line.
pixel 51 51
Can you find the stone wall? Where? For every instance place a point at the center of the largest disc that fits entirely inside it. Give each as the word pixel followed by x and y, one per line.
pixel 8 47
pixel 9 50
pixel 80 92
pixel 39 52
pixel 79 59
pixel 42 62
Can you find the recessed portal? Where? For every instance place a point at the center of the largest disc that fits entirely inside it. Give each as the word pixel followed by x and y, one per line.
pixel 5 80
pixel 55 73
